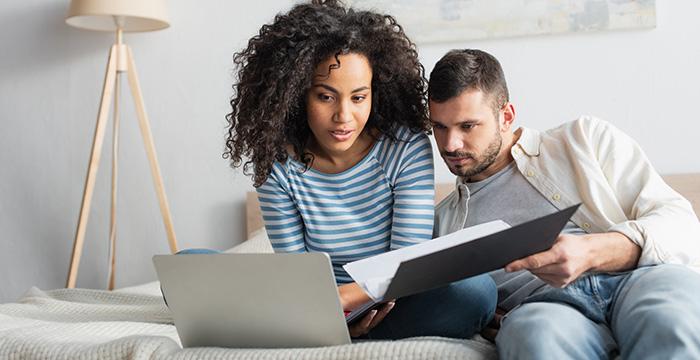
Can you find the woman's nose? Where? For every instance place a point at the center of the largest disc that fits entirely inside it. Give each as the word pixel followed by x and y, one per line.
pixel 343 113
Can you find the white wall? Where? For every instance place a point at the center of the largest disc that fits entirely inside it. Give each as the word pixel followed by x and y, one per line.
pixel 643 81
pixel 50 79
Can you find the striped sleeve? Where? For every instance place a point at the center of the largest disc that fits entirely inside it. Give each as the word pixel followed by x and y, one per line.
pixel 283 222
pixel 414 194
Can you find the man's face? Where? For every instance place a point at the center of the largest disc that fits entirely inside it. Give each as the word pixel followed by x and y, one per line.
pixel 467 132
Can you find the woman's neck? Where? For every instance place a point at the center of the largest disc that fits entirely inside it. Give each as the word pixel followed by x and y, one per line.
pixel 334 163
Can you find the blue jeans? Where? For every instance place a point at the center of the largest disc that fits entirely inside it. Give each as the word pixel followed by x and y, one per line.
pixel 649 313
pixel 197 251
pixel 460 309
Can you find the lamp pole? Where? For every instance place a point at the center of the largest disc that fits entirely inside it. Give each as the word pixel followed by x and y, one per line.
pixel 120 60
pixel 115 158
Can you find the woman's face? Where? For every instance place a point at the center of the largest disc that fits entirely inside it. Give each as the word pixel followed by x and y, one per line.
pixel 338 103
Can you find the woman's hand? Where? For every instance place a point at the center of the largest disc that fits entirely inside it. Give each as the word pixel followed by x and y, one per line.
pixel 352 296
pixel 369 321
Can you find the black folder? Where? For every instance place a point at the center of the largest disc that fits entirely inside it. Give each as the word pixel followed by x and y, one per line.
pixel 478 256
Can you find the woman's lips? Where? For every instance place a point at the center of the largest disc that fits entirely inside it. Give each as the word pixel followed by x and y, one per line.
pixel 341 135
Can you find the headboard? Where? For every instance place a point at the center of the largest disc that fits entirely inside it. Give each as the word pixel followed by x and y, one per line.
pixel 686 184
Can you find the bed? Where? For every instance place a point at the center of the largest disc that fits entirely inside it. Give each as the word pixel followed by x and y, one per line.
pixel 134 323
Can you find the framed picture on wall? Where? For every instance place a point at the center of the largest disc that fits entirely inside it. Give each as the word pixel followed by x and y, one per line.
pixel 432 21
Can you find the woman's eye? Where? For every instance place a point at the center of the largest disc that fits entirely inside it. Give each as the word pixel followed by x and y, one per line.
pixel 325 97
pixel 359 98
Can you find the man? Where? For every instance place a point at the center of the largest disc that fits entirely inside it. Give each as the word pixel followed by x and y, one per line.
pixel 608 285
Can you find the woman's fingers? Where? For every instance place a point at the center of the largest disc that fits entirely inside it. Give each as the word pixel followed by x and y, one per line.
pixel 369 321
pixel 381 314
pixel 362 327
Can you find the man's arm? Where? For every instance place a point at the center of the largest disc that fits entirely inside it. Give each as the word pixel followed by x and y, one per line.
pixel 657 224
pixel 572 255
pixel 656 218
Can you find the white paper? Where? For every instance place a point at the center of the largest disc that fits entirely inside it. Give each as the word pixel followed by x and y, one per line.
pixel 374 274
pixel 376 287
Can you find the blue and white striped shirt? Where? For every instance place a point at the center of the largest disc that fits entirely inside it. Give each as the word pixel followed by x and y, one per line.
pixel 383 203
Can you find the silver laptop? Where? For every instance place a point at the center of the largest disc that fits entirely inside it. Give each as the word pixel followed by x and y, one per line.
pixel 253 300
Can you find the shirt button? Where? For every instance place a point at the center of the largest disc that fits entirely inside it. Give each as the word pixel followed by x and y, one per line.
pixel 518 151
pixel 556 197
pixel 586 225
pixel 530 173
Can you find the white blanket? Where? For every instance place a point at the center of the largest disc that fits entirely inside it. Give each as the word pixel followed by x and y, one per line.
pixel 96 324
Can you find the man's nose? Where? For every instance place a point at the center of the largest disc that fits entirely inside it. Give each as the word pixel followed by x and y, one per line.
pixel 453 141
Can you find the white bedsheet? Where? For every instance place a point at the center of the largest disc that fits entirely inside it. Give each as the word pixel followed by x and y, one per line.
pixel 96 324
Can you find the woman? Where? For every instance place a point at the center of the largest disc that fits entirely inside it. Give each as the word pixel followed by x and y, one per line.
pixel 330 113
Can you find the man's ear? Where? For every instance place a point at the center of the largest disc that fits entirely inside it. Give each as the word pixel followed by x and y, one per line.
pixel 508 116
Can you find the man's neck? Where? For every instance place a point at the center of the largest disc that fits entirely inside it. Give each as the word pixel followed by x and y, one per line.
pixel 502 160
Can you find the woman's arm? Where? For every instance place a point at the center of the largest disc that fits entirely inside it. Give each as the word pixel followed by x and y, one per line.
pixel 283 222
pixel 414 194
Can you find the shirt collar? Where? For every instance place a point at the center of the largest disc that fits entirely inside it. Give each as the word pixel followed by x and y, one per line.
pixel 529 141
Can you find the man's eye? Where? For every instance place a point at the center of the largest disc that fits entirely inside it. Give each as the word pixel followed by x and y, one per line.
pixel 438 126
pixel 468 126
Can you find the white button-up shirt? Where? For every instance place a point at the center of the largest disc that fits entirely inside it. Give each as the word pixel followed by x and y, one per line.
pixel 589 161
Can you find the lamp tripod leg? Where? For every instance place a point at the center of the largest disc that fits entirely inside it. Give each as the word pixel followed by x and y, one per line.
pixel 115 173
pixel 97 142
pixel 150 151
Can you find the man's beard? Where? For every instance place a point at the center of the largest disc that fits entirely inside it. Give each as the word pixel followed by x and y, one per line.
pixel 483 162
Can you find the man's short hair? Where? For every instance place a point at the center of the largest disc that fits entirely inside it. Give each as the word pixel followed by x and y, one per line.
pixel 468 69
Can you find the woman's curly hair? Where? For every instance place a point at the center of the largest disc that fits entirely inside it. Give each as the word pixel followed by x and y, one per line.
pixel 276 70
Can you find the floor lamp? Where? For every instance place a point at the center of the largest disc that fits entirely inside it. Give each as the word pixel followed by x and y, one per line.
pixel 118 17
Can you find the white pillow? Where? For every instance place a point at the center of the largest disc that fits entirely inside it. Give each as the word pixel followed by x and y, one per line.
pixel 258 243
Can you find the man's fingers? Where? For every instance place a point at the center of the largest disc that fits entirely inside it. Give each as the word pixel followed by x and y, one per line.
pixel 489 334
pixel 533 261
pixel 497 320
pixel 491 330
pixel 551 269
pixel 557 281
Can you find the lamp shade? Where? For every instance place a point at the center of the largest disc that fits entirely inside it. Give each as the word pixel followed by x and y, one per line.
pixel 131 15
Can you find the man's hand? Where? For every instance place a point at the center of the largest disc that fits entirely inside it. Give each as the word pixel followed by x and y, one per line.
pixel 491 330
pixel 572 255
pixel 559 266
